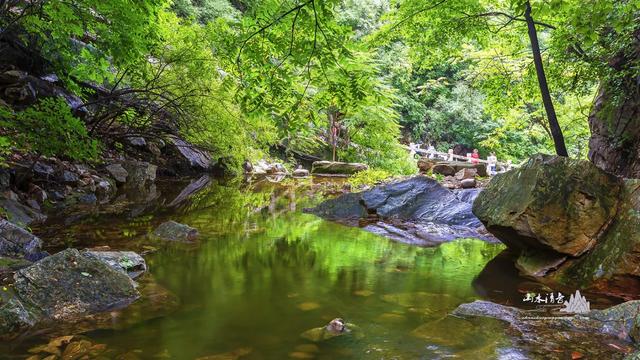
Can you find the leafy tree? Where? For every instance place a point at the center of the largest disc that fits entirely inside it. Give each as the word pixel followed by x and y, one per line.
pixel 444 30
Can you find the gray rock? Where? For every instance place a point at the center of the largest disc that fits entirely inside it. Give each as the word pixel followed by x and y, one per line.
pixel 104 189
pixel 37 193
pixel 5 179
pixel 137 141
pixel 127 262
pixel 57 195
pixel 525 207
pixel 19 214
pixel 467 195
pixel 300 173
pixel 68 285
pixel 173 231
pixel 14 317
pixel 33 204
pixel 618 321
pixel 468 183
pixel 69 178
pixel 43 170
pixel 417 208
pixel 89 198
pixel 118 172
pixel 141 174
pixel 190 156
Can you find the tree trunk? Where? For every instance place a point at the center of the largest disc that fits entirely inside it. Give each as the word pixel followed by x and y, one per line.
pixel 556 131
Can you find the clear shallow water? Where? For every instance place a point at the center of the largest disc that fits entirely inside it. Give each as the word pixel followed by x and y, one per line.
pixel 263 272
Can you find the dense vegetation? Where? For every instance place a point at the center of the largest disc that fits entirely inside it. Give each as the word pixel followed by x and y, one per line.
pixel 343 79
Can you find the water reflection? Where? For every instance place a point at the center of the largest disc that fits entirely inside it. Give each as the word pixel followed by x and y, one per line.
pixel 263 273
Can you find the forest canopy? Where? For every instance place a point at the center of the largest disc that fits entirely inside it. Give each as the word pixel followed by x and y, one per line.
pixel 350 80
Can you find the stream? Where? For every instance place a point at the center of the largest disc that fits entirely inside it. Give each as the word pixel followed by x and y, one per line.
pixel 263 272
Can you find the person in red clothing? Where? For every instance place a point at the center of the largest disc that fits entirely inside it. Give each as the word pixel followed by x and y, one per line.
pixel 475 157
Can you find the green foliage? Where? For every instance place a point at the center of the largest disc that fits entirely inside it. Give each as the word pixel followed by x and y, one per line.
pixel 84 38
pixel 245 78
pixel 48 128
pixel 205 11
pixel 368 177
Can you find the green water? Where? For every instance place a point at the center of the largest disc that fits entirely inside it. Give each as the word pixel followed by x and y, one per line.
pixel 263 272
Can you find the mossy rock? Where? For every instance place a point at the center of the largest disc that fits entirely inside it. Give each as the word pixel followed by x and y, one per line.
pixel 551 203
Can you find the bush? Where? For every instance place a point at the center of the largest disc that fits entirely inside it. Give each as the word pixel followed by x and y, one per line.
pixel 368 177
pixel 49 128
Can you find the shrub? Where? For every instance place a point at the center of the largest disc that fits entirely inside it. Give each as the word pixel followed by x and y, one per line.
pixel 49 128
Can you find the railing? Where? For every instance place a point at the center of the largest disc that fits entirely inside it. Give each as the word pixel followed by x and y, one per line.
pixel 434 154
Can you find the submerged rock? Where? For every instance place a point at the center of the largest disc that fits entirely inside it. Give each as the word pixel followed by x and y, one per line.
pixel 603 334
pixel 620 321
pixel 336 168
pixel 337 327
pixel 418 211
pixel 68 285
pixel 526 207
pixel 174 231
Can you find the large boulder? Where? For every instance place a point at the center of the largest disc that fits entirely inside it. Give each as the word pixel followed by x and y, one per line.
pixel 612 265
pixel 16 242
pixel 336 168
pixel 551 204
pixel 418 210
pixel 68 285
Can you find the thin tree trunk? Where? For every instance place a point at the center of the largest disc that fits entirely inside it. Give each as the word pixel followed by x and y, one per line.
pixel 554 126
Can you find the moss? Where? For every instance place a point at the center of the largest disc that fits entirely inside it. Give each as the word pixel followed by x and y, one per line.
pixel 615 252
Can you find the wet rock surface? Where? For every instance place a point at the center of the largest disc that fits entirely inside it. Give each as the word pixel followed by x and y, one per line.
pixel 608 333
pixel 68 285
pixel 417 211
